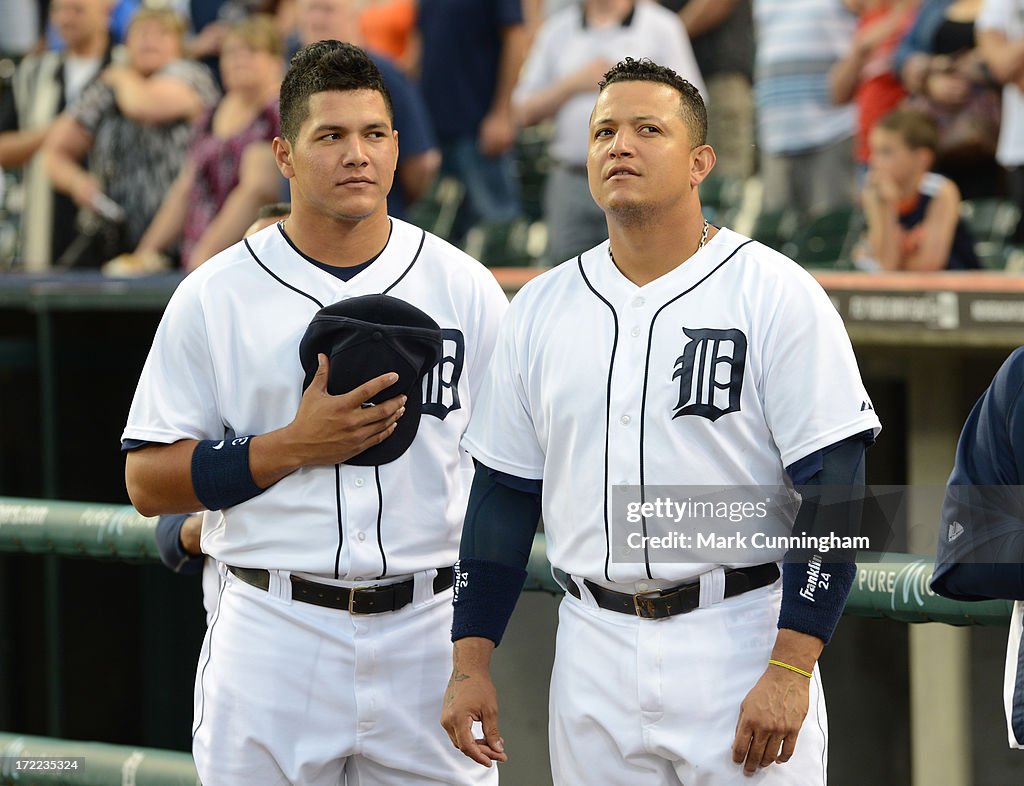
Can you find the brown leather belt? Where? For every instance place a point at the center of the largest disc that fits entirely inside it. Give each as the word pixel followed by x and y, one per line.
pixel 355 600
pixel 658 604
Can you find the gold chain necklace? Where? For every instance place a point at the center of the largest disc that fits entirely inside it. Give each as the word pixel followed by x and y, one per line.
pixel 700 245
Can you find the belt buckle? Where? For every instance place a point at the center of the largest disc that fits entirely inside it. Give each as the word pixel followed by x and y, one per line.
pixel 352 601
pixel 642 604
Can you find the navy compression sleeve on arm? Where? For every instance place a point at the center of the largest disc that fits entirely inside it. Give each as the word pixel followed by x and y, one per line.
pixel 501 520
pixel 816 583
pixel 168 544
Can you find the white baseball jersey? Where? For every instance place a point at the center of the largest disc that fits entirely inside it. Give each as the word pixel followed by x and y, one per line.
pixel 225 362
pixel 720 373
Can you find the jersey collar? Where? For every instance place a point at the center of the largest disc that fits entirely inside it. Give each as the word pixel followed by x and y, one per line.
pixel 281 259
pixel 609 281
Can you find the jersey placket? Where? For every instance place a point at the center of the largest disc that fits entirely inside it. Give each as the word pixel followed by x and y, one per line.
pixel 360 512
pixel 634 314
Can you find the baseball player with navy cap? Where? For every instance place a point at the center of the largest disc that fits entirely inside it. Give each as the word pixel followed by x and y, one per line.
pixel 308 388
pixel 674 355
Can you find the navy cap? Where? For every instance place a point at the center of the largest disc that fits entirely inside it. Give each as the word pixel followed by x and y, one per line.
pixel 364 337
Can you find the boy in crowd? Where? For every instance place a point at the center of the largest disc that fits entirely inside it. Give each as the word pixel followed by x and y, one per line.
pixel 913 214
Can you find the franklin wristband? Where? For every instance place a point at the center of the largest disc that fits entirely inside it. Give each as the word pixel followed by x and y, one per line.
pixel 220 473
pixel 814 595
pixel 485 595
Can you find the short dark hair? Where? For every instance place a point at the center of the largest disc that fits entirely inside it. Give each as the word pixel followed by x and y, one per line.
pixel 323 66
pixel 916 128
pixel 274 210
pixel 646 70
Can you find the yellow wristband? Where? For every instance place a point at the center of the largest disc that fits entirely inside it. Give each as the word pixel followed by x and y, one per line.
pixel 782 665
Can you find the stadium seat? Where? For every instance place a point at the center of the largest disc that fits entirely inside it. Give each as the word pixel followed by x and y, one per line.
pixel 720 198
pixel 500 245
pixel 1012 258
pixel 774 227
pixel 991 255
pixel 10 220
pixel 991 220
pixel 533 164
pixel 826 241
pixel 436 211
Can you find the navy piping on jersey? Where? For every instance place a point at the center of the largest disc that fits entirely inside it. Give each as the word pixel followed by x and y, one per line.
pixel 209 656
pixel 277 278
pixel 423 238
pixel 343 273
pixel 337 467
pixel 341 529
pixel 317 262
pixel 647 371
pixel 380 515
pixel 607 414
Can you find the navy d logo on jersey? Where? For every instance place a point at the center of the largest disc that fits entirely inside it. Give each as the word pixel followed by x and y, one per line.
pixel 441 383
pixel 710 373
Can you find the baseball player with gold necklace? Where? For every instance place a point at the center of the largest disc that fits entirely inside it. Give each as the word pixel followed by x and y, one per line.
pixel 309 387
pixel 674 354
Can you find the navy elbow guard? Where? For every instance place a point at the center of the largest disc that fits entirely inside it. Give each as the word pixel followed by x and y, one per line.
pixel 485 596
pixel 814 595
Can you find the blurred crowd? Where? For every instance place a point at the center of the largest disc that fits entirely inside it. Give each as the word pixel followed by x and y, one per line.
pixel 135 136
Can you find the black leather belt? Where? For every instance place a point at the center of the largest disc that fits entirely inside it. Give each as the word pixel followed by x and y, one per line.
pixel 357 600
pixel 658 604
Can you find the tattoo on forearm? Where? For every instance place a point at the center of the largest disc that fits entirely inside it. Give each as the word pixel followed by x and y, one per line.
pixel 457 676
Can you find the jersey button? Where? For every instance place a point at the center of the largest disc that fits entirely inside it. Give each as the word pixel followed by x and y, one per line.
pixel 625 420
pixel 361 536
pixel 635 331
pixel 639 301
pixel 359 483
pixel 643 586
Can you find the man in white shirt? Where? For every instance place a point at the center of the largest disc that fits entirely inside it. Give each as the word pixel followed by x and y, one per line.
pixel 1000 32
pixel 573 48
